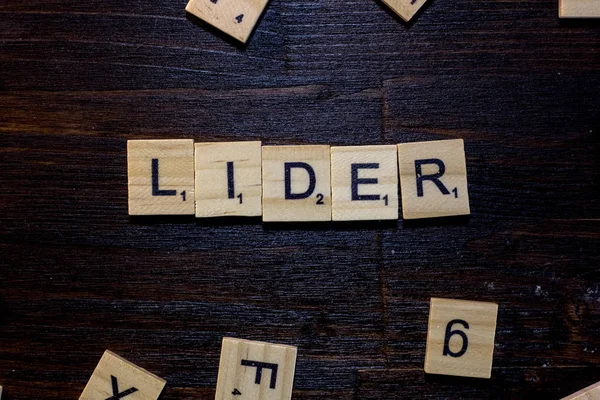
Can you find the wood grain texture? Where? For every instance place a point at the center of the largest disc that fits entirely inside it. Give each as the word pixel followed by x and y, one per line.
pixel 78 276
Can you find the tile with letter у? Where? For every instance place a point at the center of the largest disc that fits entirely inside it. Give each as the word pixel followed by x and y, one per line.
pixel 364 183
pixel 234 17
pixel 591 392
pixel 433 179
pixel 579 9
pixel 296 183
pixel 161 177
pixel 251 370
pixel 228 179
pixel 460 338
pixel 406 9
pixel 116 378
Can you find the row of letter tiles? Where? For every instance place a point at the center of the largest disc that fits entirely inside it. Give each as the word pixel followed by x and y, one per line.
pixel 460 342
pixel 297 183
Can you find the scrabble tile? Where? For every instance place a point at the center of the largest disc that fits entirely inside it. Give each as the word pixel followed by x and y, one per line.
pixel 579 9
pixel 117 378
pixel 589 393
pixel 234 17
pixel 433 179
pixel 251 370
pixel 161 177
pixel 296 183
pixel 406 9
pixel 0 391
pixel 228 179
pixel 364 183
pixel 460 338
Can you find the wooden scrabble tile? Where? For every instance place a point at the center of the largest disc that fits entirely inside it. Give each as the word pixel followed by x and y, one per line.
pixel 433 179
pixel 406 9
pixel 251 370
pixel 228 179
pixel 591 392
pixel 460 338
pixel 364 183
pixel 161 177
pixel 579 9
pixel 117 378
pixel 296 183
pixel 234 17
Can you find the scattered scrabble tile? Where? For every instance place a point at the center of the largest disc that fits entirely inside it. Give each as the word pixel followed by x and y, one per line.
pixel 406 9
pixel 433 179
pixel 589 393
pixel 579 9
pixel 161 177
pixel 251 370
pixel 228 179
pixel 0 391
pixel 364 183
pixel 116 378
pixel 234 17
pixel 460 338
pixel 296 183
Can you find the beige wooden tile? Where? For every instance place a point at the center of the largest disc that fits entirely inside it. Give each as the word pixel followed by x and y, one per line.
pixel 117 378
pixel 306 194
pixel 161 177
pixel 228 179
pixel 0 391
pixel 433 179
pixel 406 9
pixel 591 392
pixel 579 9
pixel 460 338
pixel 364 183
pixel 234 17
pixel 251 370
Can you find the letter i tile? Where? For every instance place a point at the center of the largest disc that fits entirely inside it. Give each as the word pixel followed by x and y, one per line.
pixel 460 338
pixel 251 370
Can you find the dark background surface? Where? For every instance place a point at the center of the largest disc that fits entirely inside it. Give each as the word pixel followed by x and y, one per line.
pixel 79 78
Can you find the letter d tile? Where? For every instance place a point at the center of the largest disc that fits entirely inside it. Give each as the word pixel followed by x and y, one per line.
pixel 460 338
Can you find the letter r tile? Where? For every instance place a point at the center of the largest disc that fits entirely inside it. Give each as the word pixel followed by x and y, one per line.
pixel 161 177
pixel 433 179
pixel 251 370
pixel 460 338
pixel 116 378
pixel 296 183
pixel 364 183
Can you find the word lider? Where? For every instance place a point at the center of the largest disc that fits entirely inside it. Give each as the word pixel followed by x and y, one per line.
pixel 297 183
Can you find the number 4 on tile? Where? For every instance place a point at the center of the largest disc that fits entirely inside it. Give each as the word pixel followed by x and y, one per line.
pixel 239 18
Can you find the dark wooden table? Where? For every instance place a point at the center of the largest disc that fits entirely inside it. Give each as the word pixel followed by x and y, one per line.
pixel 77 275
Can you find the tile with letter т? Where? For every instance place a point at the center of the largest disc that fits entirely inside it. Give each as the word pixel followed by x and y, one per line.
pixel 251 370
pixel 460 338
pixel 364 183
pixel 591 392
pixel 579 9
pixel 234 17
pixel 161 177
pixel 296 183
pixel 228 179
pixel 406 9
pixel 433 179
pixel 117 378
